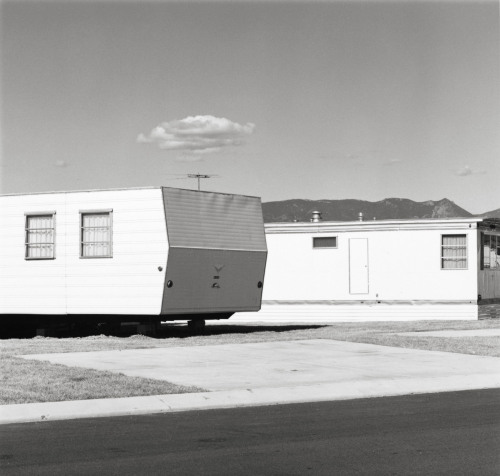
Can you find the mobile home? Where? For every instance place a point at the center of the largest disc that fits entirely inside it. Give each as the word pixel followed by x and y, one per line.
pixel 161 252
pixel 382 270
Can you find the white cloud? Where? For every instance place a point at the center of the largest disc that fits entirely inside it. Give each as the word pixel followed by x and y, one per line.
pixel 465 171
pixel 197 135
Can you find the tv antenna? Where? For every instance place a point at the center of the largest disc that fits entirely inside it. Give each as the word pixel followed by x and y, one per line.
pixel 199 177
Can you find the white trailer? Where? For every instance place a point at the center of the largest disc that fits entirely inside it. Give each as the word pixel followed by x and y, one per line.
pixel 166 253
pixel 381 270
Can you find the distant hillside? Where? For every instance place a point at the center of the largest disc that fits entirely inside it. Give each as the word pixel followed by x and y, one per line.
pixel 492 214
pixel 348 210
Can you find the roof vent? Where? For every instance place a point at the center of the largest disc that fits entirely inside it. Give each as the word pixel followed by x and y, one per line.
pixel 360 216
pixel 316 217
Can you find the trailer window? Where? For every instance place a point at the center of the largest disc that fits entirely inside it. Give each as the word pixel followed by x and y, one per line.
pixel 454 252
pixel 325 242
pixel 40 236
pixel 490 252
pixel 96 235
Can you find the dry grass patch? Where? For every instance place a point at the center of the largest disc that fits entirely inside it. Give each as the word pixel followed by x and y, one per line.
pixel 387 334
pixel 26 381
pixel 379 333
pixel 29 381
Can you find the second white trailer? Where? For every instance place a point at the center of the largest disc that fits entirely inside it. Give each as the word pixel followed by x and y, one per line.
pixel 438 269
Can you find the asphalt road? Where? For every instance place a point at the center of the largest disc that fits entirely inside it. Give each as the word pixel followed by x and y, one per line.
pixel 449 433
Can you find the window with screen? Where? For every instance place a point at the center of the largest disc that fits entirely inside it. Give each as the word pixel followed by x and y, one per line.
pixel 454 252
pixel 325 242
pixel 96 235
pixel 40 236
pixel 490 258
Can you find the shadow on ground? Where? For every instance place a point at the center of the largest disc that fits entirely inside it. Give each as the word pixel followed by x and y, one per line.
pixel 166 331
pixel 181 331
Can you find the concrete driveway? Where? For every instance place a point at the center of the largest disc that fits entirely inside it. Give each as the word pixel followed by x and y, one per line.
pixel 265 374
pixel 374 370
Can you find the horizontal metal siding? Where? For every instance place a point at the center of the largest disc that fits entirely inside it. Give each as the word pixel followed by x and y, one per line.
pixel 127 283
pixel 311 314
pixel 30 286
pixel 403 265
pixel 213 220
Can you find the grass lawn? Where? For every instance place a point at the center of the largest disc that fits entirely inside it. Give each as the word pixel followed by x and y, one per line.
pixel 24 381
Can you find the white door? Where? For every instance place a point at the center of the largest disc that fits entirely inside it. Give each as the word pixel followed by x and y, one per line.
pixel 358 265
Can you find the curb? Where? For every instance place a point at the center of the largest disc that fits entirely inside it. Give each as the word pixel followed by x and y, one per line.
pixel 53 411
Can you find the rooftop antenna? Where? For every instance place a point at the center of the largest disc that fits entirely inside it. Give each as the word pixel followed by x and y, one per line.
pixel 199 177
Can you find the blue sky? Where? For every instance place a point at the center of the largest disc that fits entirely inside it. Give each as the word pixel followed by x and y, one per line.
pixel 323 100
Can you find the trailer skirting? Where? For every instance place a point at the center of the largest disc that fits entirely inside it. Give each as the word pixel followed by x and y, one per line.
pixel 489 311
pixel 335 311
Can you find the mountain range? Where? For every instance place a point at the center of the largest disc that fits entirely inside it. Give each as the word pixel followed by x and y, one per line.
pixel 348 210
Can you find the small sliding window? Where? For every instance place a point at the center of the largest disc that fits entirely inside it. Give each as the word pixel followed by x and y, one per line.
pixel 40 236
pixel 325 242
pixel 96 234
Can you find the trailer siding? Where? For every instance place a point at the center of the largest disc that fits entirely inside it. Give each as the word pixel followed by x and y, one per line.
pixel 127 283
pixel 488 279
pixel 355 312
pixel 403 265
pixel 403 278
pixel 217 252
pixel 30 285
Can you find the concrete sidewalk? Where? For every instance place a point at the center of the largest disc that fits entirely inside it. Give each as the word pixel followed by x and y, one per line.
pixel 264 374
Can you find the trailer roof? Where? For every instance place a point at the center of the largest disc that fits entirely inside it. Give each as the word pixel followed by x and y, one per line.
pixel 213 221
pixel 370 225
pixel 152 187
